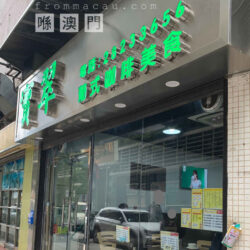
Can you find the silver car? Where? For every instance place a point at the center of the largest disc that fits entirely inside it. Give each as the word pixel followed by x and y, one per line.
pixel 142 228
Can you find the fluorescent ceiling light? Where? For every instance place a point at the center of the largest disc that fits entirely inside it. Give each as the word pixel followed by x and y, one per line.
pixel 171 131
pixel 120 105
pixel 38 138
pixel 84 120
pixel 172 84
pixel 58 130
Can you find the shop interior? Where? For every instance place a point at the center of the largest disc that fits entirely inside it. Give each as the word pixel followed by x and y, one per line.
pixel 146 175
pixel 155 183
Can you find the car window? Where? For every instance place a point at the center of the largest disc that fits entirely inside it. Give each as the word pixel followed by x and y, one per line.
pixel 137 217
pixel 115 215
pixel 104 213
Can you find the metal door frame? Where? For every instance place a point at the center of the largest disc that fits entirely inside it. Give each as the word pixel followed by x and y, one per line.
pixel 48 202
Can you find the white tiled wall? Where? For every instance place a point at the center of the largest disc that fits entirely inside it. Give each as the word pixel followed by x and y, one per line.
pixel 239 156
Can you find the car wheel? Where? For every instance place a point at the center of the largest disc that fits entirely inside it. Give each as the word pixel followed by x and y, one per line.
pixel 95 234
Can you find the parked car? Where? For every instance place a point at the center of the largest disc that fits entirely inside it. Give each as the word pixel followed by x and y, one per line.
pixel 141 227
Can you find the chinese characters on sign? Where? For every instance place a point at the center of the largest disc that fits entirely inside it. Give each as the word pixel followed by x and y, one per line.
pixel 162 42
pixel 51 93
pixel 93 23
pixel 51 76
pixel 29 97
pixel 145 51
pixel 44 22
pixel 69 22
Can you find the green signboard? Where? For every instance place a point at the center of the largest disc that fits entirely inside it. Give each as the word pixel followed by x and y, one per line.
pixel 151 54
pixel 155 45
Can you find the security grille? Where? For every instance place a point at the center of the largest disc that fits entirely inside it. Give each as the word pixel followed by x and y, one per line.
pixel 203 146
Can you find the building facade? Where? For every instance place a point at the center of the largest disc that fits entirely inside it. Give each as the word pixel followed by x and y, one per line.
pixel 138 134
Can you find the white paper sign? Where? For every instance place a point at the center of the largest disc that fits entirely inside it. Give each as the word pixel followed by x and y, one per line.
pixel 212 220
pixel 122 234
pixel 169 240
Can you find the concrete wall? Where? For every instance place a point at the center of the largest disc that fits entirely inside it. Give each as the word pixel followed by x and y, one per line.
pixel 239 156
pixel 10 13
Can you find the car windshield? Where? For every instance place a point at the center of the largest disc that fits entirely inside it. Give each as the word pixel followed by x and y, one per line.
pixel 137 217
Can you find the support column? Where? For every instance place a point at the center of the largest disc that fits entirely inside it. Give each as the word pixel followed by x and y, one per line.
pixel 238 209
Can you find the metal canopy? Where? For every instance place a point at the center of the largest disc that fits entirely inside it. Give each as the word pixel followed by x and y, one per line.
pixel 28 50
pixel 212 57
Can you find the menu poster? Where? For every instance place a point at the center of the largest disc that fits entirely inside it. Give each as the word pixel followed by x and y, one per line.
pixel 213 198
pixel 197 198
pixel 169 240
pixel 186 217
pixel 122 234
pixel 212 220
pixel 197 218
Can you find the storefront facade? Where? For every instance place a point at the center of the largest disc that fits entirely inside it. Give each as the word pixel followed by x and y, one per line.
pixel 16 166
pixel 136 158
pixel 136 177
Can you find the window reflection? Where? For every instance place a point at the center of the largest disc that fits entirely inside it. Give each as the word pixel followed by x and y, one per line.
pixel 137 190
pixel 67 194
pixel 11 183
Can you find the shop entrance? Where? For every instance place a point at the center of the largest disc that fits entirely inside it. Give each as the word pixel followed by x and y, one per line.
pixel 70 201
pixel 66 206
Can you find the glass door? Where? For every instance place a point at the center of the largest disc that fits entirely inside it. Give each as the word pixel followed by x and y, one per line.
pixel 69 206
pixel 78 202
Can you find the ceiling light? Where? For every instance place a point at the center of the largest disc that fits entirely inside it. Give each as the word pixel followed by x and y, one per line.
pixel 120 105
pixel 84 120
pixel 38 138
pixel 58 130
pixel 171 131
pixel 172 84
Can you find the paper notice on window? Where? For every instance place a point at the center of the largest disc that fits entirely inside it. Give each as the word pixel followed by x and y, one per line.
pixel 197 195
pixel 122 234
pixel 197 218
pixel 169 240
pixel 186 217
pixel 213 198
pixel 212 220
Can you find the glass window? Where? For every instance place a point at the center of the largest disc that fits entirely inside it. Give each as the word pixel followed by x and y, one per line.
pixel 14 198
pixel 116 215
pixel 13 215
pixel 5 198
pixel 115 162
pixel 165 173
pixel 3 232
pixel 11 235
pixel 4 217
pixel 10 205
pixel 137 216
pixel 105 213
pixel 67 193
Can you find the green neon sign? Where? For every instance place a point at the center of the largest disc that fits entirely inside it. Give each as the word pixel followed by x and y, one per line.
pixel 47 82
pixel 171 45
pixel 130 66
pixel 110 77
pixel 26 96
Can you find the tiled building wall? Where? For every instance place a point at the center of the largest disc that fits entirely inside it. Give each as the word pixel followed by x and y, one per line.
pixel 239 156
